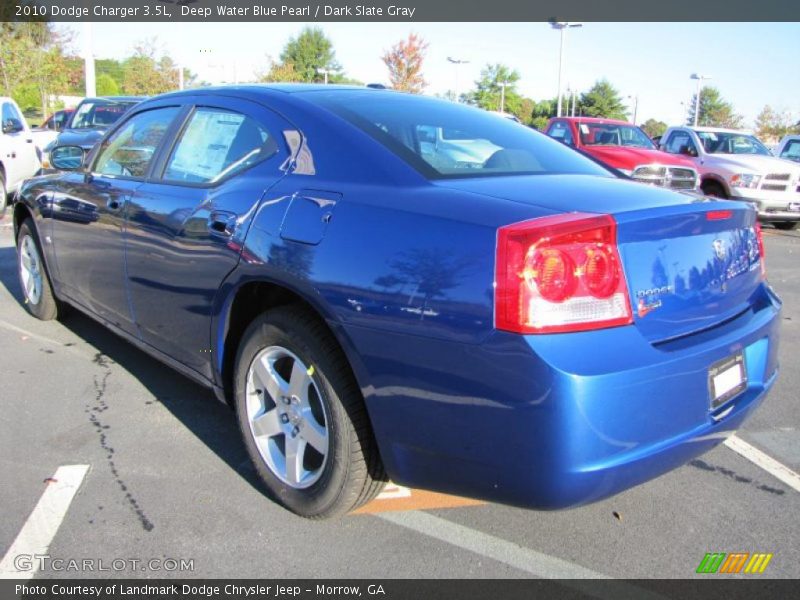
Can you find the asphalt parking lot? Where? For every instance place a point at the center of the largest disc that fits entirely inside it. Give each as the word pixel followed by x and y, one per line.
pixel 168 478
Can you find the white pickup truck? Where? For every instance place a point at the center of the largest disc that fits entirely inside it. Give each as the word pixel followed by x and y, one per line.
pixel 735 164
pixel 19 159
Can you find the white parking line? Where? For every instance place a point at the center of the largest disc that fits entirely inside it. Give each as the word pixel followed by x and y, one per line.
pixel 39 530
pixel 766 462
pixel 525 559
pixel 46 340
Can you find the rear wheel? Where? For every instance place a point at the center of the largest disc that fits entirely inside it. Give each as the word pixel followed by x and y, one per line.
pixel 33 275
pixel 785 225
pixel 712 188
pixel 303 418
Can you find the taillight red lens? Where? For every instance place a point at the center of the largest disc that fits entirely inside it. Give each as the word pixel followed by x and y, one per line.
pixel 762 254
pixel 559 274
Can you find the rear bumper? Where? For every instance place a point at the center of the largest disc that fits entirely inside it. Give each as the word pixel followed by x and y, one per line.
pixel 555 421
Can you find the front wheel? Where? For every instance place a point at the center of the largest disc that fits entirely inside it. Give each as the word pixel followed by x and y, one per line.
pixel 303 418
pixel 33 277
pixel 785 225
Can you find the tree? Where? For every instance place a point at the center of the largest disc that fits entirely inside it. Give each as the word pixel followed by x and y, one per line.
pixel 714 110
pixel 278 72
pixel 772 125
pixel 602 100
pixel 308 52
pixel 654 128
pixel 106 86
pixel 543 111
pixel 404 62
pixel 487 94
pixel 32 57
pixel 146 75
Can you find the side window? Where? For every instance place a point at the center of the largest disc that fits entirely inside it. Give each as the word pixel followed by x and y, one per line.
pixel 562 132
pixel 792 150
pixel 676 141
pixel 130 150
pixel 217 143
pixel 10 112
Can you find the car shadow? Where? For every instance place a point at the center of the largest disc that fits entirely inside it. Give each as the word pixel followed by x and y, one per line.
pixel 211 421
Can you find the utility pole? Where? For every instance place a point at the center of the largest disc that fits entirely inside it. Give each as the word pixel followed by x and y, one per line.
pixel 325 72
pixel 700 79
pixel 88 61
pixel 503 86
pixel 457 62
pixel 562 27
pixel 635 106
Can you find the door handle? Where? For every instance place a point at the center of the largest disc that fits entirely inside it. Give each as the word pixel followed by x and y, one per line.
pixel 222 223
pixel 30 141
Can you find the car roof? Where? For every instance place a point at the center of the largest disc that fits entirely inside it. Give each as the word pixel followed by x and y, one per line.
pixel 115 98
pixel 719 130
pixel 594 120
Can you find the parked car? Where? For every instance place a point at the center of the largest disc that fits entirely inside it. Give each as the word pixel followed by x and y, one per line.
pixel 789 148
pixel 90 120
pixel 18 157
pixel 736 165
pixel 47 132
pixel 535 331
pixel 625 148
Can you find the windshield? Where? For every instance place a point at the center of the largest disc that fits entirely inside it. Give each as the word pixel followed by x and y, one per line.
pixel 444 139
pixel 719 142
pixel 98 114
pixel 613 134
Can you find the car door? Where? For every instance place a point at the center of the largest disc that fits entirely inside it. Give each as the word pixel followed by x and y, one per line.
pixel 19 151
pixel 185 227
pixel 89 215
pixel 561 131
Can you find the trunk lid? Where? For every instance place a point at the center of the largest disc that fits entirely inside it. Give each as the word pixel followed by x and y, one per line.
pixel 685 271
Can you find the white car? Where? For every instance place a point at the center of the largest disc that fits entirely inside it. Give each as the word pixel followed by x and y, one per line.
pixel 19 159
pixel 789 148
pixel 736 165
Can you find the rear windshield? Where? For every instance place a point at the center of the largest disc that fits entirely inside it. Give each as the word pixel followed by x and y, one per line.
pixel 443 139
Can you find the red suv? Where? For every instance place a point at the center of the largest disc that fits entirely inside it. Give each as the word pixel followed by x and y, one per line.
pixel 626 148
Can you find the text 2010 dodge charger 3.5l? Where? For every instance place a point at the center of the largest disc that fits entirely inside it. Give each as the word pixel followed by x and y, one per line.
pixel 528 328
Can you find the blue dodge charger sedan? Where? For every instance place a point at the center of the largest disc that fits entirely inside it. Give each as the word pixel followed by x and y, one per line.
pixel 392 286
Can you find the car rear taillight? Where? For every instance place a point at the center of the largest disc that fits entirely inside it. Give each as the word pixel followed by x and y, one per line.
pixel 761 253
pixel 558 274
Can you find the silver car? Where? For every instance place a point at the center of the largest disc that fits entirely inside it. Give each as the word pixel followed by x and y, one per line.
pixel 736 165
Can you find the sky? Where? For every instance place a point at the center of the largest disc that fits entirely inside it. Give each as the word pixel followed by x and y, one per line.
pixel 752 64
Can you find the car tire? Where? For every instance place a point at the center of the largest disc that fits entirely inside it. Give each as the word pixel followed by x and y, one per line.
pixel 785 225
pixel 3 193
pixel 33 277
pixel 292 385
pixel 712 188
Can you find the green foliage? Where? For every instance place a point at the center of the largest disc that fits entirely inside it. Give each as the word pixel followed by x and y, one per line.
pixel 542 112
pixel 309 51
pixel 714 110
pixel 32 58
pixel 772 125
pixel 602 100
pixel 106 86
pixel 654 128
pixel 146 75
pixel 487 93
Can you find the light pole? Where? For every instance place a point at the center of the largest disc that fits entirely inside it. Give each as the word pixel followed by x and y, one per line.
pixel 457 62
pixel 88 61
pixel 635 106
pixel 503 85
pixel 325 72
pixel 562 27
pixel 700 79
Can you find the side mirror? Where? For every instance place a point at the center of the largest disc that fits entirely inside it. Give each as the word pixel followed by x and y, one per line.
pixel 12 126
pixel 687 150
pixel 67 158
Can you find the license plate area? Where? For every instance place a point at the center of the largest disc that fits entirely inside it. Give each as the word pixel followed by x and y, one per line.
pixel 794 206
pixel 727 378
